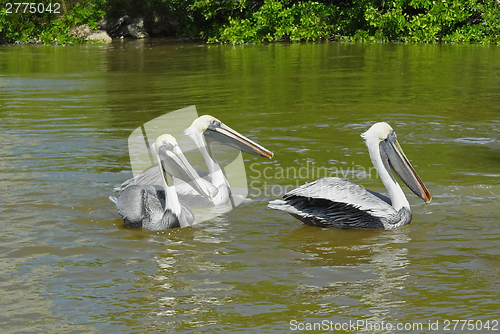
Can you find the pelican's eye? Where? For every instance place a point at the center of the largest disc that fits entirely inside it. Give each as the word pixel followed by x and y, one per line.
pixel 215 122
pixel 391 136
pixel 166 146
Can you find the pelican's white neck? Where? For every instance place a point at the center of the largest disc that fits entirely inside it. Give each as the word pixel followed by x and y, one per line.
pixel 171 198
pixel 396 194
pixel 214 169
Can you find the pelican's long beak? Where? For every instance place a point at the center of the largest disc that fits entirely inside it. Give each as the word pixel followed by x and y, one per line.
pixel 173 163
pixel 402 167
pixel 221 133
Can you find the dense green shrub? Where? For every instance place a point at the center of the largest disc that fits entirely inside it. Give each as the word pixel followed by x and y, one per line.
pixel 242 21
pixel 48 27
pixel 425 21
pixel 280 20
pixel 434 21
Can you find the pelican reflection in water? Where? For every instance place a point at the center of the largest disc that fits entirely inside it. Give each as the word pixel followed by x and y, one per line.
pixel 205 128
pixel 340 203
pixel 157 206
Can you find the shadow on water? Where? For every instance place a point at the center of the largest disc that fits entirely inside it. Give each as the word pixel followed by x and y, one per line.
pixel 367 264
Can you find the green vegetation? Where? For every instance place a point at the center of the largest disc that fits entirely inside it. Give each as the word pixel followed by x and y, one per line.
pixel 47 21
pixel 280 20
pixel 243 21
pixel 373 20
pixel 435 21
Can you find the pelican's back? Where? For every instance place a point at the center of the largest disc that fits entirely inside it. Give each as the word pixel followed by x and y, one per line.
pixel 143 206
pixel 338 203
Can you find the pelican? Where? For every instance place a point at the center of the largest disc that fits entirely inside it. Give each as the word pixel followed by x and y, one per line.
pixel 205 128
pixel 209 127
pixel 155 207
pixel 340 203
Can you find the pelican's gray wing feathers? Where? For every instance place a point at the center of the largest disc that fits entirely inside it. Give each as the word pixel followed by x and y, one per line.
pixel 144 206
pixel 340 203
pixel 152 176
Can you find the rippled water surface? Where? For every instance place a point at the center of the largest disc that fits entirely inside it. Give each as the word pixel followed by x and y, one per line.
pixel 68 265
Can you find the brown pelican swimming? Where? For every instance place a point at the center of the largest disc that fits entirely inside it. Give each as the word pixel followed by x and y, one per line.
pixel 206 128
pixel 339 203
pixel 156 206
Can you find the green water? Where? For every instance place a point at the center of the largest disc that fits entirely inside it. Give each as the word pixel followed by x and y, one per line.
pixel 68 265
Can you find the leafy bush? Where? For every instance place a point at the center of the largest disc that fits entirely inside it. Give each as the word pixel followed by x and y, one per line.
pixel 425 21
pixel 434 21
pixel 48 27
pixel 243 21
pixel 280 20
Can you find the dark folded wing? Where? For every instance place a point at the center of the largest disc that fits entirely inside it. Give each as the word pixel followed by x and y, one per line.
pixel 336 202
